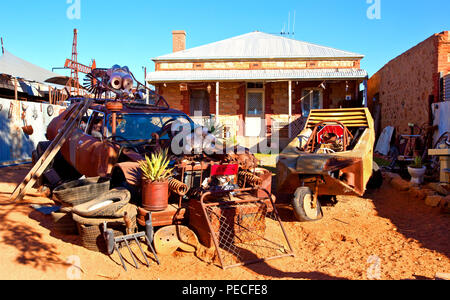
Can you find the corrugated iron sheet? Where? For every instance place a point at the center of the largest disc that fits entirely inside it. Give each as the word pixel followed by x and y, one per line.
pixel 17 67
pixel 232 75
pixel 258 45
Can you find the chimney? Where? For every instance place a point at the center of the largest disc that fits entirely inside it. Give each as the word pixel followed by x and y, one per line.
pixel 178 40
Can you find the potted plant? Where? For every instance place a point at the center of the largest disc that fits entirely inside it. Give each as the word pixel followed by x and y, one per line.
pixel 417 171
pixel 155 181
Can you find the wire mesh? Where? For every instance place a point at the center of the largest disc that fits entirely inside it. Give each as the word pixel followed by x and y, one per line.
pixel 246 230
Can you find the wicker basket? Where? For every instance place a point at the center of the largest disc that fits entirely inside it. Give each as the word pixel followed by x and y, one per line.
pixel 80 191
pixel 91 232
pixel 64 223
pixel 92 238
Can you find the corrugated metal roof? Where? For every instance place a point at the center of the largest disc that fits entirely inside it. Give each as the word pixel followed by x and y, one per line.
pixel 233 75
pixel 17 67
pixel 257 45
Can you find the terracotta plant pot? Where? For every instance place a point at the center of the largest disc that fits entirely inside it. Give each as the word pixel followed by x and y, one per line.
pixel 417 174
pixel 155 195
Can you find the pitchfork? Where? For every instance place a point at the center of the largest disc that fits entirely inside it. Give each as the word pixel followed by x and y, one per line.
pixel 113 243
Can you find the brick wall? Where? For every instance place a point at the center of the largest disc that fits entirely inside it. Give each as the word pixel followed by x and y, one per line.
pixel 178 44
pixel 443 41
pixel 280 98
pixel 406 83
pixel 178 40
pixel 338 92
pixel 171 92
pixel 233 96
pixel 229 98
pixel 373 88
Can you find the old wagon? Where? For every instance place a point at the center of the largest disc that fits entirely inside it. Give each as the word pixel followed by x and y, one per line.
pixel 332 156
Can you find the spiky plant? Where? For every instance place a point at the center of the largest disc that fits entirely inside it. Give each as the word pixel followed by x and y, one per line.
pixel 154 168
pixel 417 163
pixel 215 128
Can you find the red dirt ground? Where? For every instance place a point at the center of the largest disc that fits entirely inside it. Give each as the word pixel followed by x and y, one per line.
pixel 386 229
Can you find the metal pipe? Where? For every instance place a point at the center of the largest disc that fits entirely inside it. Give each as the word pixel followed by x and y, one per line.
pixel 217 99
pixel 114 123
pixel 15 88
pixel 290 107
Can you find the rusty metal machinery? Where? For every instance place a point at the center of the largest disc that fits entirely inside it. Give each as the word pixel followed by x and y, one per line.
pixel 120 81
pixel 241 227
pixel 178 187
pixel 246 177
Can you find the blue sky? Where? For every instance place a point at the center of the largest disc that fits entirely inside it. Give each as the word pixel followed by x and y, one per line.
pixel 132 32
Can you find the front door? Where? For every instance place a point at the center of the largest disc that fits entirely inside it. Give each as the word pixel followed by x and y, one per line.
pixel 199 105
pixel 254 112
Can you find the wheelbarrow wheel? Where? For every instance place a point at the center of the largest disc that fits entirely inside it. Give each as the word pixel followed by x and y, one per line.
pixel 305 210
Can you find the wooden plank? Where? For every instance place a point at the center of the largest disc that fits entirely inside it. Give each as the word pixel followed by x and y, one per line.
pixel 339 118
pixel 338 113
pixel 347 125
pixel 40 166
pixel 339 109
pixel 345 121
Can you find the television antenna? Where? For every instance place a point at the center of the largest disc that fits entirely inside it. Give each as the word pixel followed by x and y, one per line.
pixel 289 33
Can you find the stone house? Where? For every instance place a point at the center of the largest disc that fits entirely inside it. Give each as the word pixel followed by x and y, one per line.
pixel 257 84
pixel 403 91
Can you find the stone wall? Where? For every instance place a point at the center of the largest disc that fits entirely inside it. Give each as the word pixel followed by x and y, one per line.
pixel 407 83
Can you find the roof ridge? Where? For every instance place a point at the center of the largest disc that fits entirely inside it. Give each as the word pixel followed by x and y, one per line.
pixel 309 43
pixel 281 52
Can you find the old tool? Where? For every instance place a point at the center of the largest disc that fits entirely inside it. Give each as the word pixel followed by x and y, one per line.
pixel 169 238
pixel 115 243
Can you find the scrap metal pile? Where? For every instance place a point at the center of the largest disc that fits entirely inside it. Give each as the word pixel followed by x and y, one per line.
pixel 123 147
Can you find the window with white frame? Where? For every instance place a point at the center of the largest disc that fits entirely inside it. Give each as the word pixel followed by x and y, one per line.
pixel 311 99
pixel 255 99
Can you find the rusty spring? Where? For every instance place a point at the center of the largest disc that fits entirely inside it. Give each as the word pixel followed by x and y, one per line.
pixel 249 178
pixel 178 187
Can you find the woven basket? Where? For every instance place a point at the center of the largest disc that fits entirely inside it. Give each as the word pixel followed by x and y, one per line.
pixel 80 191
pixel 63 223
pixel 92 238
pixel 91 232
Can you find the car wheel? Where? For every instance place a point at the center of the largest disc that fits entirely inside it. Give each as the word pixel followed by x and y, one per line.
pixel 305 210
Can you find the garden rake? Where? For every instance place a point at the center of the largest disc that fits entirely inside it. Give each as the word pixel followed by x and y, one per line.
pixel 115 243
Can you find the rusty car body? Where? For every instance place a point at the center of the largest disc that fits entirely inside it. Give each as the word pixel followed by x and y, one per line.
pixel 332 156
pixel 216 188
pixel 115 135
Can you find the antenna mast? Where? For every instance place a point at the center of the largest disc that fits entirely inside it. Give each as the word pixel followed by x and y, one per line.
pixel 289 22
pixel 74 72
pixel 293 27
